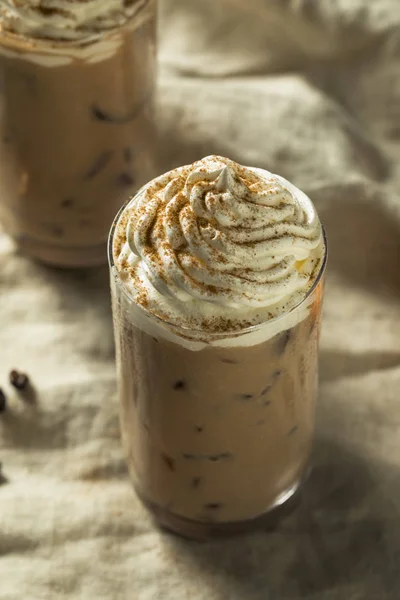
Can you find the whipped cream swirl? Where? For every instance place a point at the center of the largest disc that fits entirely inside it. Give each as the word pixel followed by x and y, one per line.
pixel 65 19
pixel 217 246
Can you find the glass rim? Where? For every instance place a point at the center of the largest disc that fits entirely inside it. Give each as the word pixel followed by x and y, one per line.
pixel 200 332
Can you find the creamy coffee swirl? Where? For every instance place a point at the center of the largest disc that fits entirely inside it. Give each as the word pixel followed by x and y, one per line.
pixel 65 19
pixel 217 246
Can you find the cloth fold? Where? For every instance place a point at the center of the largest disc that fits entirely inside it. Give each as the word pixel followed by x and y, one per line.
pixel 306 88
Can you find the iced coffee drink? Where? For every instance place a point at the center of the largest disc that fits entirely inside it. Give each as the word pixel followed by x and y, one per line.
pixel 217 284
pixel 76 89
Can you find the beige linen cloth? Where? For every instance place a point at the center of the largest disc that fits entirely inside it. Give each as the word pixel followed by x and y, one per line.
pixel 309 89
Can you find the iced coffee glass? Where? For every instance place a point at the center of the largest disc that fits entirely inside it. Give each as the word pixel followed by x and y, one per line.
pixel 217 317
pixel 76 130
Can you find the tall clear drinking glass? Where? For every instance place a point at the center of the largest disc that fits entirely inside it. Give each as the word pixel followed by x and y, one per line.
pixel 76 135
pixel 216 436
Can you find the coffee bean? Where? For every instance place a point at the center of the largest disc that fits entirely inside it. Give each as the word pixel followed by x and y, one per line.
pixel 2 478
pixel 19 380
pixel 3 401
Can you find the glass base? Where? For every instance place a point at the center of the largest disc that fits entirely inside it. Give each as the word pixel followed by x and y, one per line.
pixel 197 530
pixel 64 256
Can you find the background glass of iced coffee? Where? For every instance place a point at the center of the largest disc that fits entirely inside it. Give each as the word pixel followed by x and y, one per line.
pixel 76 91
pixel 217 284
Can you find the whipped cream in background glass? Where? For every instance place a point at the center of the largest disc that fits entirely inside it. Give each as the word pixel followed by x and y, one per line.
pixel 216 246
pixel 65 19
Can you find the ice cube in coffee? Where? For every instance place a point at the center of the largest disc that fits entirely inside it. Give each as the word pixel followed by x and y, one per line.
pixel 217 284
pixel 76 129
